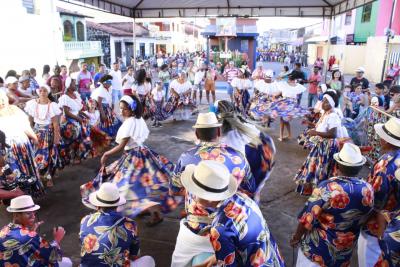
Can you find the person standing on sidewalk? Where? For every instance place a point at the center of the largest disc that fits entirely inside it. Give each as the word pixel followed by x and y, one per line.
pixel 313 81
pixel 83 81
pixel 229 74
pixel 300 77
pixel 116 83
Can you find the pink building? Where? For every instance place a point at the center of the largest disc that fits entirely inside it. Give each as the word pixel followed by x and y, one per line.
pixel 385 7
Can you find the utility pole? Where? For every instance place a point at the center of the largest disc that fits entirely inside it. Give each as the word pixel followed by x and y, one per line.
pixel 388 36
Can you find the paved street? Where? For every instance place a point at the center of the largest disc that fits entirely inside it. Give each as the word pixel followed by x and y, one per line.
pixel 279 204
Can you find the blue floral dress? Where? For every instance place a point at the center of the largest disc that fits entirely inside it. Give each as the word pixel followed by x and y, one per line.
pixel 108 239
pixel 21 247
pixel 140 173
pixel 240 236
pixel 390 244
pixel 333 216
pixel 198 215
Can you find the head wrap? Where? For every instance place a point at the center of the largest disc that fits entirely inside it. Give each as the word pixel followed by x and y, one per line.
pixel 130 101
pixel 68 82
pixel 43 86
pixel 330 100
pixel 324 88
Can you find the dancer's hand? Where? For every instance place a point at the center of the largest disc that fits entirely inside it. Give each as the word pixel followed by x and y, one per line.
pixel 103 160
pixel 58 234
pixel 312 132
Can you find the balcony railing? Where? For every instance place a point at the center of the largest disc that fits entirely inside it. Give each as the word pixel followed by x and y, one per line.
pixel 76 50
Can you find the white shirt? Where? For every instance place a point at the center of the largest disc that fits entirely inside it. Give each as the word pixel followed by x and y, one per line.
pixel 266 88
pixel 94 117
pixel 143 89
pixel 288 90
pixel 180 88
pixel 117 79
pixel 129 81
pixel 103 93
pixel 157 95
pixel 241 84
pixel 28 91
pixel 74 105
pixel 330 121
pixel 160 62
pixel 135 129
pixel 15 133
pixel 198 77
pixel 42 113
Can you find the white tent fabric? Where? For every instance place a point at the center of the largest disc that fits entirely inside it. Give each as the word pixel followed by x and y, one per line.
pixel 211 8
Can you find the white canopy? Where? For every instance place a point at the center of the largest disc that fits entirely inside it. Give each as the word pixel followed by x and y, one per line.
pixel 220 8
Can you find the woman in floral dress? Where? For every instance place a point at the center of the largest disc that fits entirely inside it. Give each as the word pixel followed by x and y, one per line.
pixel 19 154
pixel 74 124
pixel 44 117
pixel 109 122
pixel 324 143
pixel 241 86
pixel 140 173
pixel 142 88
pixel 180 98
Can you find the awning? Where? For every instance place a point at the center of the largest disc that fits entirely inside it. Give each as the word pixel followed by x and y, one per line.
pixel 317 39
pixel 221 8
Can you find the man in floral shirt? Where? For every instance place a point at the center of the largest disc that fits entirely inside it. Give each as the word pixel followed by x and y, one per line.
pixel 238 232
pixel 20 244
pixel 198 218
pixel 107 237
pixel 384 179
pixel 330 222
pixel 390 244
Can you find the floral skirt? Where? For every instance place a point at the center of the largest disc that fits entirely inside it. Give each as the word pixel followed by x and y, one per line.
pixel 144 100
pixel 318 166
pixel 76 140
pixel 261 161
pixel 260 108
pixel 47 154
pixel 142 177
pixel 170 107
pixel 184 108
pixel 111 125
pixel 287 109
pixel 20 158
pixel 242 99
pixel 157 111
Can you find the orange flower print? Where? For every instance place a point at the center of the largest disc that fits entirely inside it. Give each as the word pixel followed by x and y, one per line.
pixel 146 180
pixel 376 182
pixel 7 264
pixel 368 197
pixel 4 231
pixel 306 220
pixel 335 186
pixel 344 240
pixel 204 155
pixel 381 262
pixel 138 163
pixel 322 234
pixel 258 258
pixel 90 243
pixel 316 210
pixel 326 220
pixel 131 227
pixel 236 160
pixel 39 159
pixel 339 199
pixel 229 259
pixel 197 209
pixel 214 235
pixel 318 259
pixel 235 212
pixel 25 231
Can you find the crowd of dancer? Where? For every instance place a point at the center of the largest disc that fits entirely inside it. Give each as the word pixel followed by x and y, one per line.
pixel 69 118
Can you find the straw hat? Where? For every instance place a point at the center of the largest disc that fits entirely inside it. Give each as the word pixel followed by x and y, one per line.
pixel 350 155
pixel 207 120
pixel 360 69
pixel 11 80
pixel 335 67
pixel 22 204
pixel 209 180
pixel 107 196
pixel 390 131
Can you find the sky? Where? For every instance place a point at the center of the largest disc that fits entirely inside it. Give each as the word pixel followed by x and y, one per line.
pixel 263 24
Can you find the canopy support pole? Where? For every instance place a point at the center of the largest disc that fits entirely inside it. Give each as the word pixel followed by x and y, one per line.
pixel 328 48
pixel 388 35
pixel 134 44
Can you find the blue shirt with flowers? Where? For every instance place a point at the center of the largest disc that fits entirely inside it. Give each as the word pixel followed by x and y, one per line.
pixel 240 236
pixel 333 216
pixel 108 239
pixel 20 247
pixel 390 244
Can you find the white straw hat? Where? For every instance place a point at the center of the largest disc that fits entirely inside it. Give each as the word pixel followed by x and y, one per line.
pixel 390 131
pixel 207 120
pixel 335 67
pixel 107 196
pixel 10 80
pixel 360 69
pixel 22 204
pixel 350 155
pixel 209 180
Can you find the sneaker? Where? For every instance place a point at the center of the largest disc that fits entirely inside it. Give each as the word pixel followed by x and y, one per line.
pixel 154 125
pixel 159 125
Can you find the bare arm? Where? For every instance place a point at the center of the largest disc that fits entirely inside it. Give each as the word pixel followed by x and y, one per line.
pixel 113 151
pixel 68 113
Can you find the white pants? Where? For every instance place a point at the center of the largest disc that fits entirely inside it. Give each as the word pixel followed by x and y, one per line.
pixel 368 250
pixel 145 261
pixel 188 245
pixel 303 261
pixel 65 262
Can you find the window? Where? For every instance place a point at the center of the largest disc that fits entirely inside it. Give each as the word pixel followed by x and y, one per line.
pixel 80 31
pixel 366 13
pixel 347 20
pixel 69 33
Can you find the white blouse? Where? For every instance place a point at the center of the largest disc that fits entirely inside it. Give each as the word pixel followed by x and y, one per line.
pixel 290 91
pixel 143 89
pixel 135 129
pixel 180 88
pixel 74 105
pixel 129 81
pixel 103 93
pixel 241 84
pixel 157 95
pixel 20 123
pixel 94 118
pixel 332 120
pixel 266 88
pixel 42 113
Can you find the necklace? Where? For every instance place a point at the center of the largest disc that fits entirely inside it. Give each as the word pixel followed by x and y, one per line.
pixel 37 114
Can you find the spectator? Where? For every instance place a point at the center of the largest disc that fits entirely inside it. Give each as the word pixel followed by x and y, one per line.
pixel 359 79
pixel 83 82
pixel 116 83
pixel 314 81
pixel 99 75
